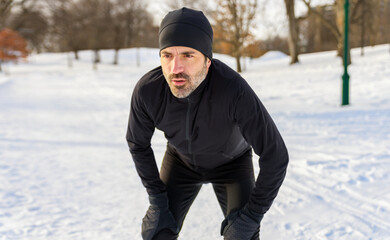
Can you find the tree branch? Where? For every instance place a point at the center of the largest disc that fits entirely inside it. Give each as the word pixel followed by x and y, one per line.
pixel 333 28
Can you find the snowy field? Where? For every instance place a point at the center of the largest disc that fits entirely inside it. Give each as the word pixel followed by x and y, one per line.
pixel 66 173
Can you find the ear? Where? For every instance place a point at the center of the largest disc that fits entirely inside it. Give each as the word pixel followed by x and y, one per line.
pixel 208 62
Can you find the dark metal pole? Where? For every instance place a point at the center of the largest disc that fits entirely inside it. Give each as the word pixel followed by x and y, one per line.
pixel 345 91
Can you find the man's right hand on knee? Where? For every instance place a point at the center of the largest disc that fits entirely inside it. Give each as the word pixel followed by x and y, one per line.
pixel 158 217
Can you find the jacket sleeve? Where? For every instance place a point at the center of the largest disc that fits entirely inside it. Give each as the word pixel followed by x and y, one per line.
pixel 261 133
pixel 139 134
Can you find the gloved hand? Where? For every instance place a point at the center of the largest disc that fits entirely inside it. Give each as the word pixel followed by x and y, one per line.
pixel 157 217
pixel 241 225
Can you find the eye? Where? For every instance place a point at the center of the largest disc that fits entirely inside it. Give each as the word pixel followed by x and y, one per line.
pixel 189 56
pixel 165 55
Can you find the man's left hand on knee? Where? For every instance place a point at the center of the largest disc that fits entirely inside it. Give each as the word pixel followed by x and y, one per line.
pixel 241 225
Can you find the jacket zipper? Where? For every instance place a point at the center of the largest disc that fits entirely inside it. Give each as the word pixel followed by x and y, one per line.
pixel 188 135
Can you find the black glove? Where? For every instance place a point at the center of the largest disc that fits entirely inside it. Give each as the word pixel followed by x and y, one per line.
pixel 241 225
pixel 158 217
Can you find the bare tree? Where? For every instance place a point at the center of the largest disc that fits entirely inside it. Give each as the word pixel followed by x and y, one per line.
pixel 293 40
pixel 202 5
pixel 25 17
pixel 133 26
pixel 363 24
pixel 175 4
pixel 387 21
pixel 32 25
pixel 87 24
pixel 142 31
pixel 337 29
pixel 99 25
pixel 366 15
pixel 68 26
pixel 5 9
pixel 233 22
pixel 123 15
pixel 316 36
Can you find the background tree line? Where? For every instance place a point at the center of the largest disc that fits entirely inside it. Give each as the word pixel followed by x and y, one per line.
pixel 75 25
pixel 322 27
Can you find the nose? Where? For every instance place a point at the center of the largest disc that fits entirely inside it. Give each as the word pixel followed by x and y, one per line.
pixel 177 65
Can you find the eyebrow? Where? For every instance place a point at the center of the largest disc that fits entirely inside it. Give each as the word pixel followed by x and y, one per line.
pixel 165 52
pixel 182 53
pixel 188 52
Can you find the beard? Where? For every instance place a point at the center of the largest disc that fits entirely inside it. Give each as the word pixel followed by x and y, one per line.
pixel 191 82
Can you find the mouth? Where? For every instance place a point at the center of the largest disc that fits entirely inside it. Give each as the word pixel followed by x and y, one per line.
pixel 178 81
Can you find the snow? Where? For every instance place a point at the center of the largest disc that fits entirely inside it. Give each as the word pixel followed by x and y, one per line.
pixel 66 173
pixel 271 55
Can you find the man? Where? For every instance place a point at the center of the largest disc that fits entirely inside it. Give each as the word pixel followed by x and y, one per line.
pixel 212 120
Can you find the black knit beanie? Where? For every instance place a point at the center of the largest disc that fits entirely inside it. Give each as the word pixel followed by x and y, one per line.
pixel 188 28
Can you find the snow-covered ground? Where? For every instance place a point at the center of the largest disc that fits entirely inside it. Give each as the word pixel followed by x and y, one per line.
pixel 66 173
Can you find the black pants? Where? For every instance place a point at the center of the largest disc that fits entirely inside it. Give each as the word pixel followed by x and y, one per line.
pixel 232 184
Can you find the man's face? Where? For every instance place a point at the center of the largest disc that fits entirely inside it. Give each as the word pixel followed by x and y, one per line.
pixel 184 69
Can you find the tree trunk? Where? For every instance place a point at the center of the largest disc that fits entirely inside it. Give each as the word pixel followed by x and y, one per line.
pixel 293 31
pixel 116 54
pixel 374 28
pixel 96 59
pixel 338 29
pixel 238 63
pixel 317 35
pixel 233 22
pixel 76 54
pixel 96 56
pixel 362 32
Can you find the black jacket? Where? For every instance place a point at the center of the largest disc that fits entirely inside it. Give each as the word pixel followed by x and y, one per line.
pixel 218 122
